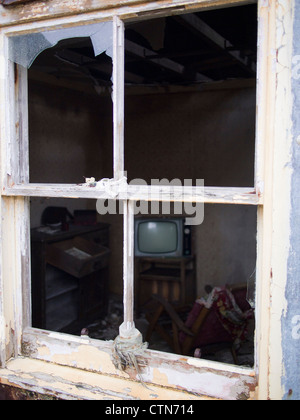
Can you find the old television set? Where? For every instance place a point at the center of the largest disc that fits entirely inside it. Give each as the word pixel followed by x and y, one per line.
pixel 165 237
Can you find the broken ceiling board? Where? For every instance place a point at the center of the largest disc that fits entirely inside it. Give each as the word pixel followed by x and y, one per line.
pixel 201 28
pixel 182 58
pixel 163 62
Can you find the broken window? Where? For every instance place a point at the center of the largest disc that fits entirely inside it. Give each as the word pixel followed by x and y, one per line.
pixel 24 49
pixel 67 135
pixel 188 85
pixel 70 114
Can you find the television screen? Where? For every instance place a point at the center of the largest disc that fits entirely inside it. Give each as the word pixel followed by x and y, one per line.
pixel 157 237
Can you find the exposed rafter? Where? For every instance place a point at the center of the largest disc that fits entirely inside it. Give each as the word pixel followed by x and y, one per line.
pixel 147 54
pixel 82 61
pixel 186 51
pixel 202 29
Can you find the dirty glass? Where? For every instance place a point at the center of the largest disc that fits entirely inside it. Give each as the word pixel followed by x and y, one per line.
pixel 24 49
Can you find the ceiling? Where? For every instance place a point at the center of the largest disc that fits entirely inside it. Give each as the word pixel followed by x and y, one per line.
pixel 179 50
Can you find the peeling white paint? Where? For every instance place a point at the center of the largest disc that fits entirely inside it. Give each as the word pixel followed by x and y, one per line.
pixel 71 383
pixel 206 383
pixel 282 190
pixel 225 367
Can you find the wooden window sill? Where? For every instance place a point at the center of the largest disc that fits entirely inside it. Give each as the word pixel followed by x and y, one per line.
pixel 76 384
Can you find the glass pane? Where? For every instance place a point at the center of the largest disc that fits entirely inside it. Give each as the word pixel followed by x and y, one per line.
pixel 70 104
pixel 190 110
pixel 70 114
pixel 205 280
pixel 76 266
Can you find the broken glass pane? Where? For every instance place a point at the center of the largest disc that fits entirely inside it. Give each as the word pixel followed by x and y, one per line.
pixel 24 49
pixel 251 289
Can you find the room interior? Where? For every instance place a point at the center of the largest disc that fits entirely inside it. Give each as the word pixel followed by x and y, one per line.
pixel 190 109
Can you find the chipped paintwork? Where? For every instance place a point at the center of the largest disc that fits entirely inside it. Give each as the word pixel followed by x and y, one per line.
pixel 40 10
pixel 160 369
pixel 69 383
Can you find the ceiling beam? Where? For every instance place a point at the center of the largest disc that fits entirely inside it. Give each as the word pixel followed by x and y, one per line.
pixel 201 28
pixel 83 61
pixel 147 54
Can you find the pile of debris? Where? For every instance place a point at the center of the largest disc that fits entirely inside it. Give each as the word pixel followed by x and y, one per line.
pixel 108 328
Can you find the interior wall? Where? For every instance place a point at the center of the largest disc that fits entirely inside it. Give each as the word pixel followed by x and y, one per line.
pixel 70 139
pixel 226 245
pixel 191 135
pixel 70 135
pixel 208 135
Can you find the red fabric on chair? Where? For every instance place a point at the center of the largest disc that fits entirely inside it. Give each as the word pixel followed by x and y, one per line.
pixel 225 322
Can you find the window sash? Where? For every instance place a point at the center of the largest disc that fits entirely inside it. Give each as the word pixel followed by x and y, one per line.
pixel 17 165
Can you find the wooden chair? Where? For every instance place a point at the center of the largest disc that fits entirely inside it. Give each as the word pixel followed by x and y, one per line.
pixel 185 338
pixel 177 326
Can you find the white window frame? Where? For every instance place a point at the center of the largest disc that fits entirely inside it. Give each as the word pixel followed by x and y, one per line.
pixel 17 337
